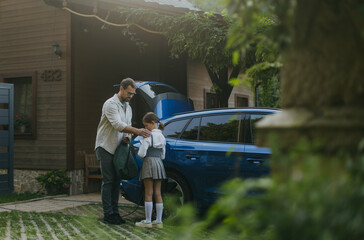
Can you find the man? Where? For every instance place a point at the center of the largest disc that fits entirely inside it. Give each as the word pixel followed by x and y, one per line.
pixel 114 127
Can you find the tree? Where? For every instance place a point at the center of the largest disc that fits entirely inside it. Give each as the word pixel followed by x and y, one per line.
pixel 322 43
pixel 323 64
pixel 255 30
pixel 203 36
pixel 200 35
pixel 208 5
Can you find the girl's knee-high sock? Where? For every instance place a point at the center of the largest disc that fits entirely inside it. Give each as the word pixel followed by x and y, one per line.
pixel 159 208
pixel 148 211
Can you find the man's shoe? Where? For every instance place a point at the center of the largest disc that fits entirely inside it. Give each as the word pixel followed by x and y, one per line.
pixel 118 219
pixel 156 224
pixel 110 219
pixel 144 224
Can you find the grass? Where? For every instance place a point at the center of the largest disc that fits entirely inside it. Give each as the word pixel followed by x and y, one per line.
pixel 17 197
pixel 83 222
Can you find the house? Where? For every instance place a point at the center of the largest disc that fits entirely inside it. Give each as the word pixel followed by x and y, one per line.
pixel 64 65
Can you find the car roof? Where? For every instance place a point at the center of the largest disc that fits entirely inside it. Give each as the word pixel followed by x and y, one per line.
pixel 222 111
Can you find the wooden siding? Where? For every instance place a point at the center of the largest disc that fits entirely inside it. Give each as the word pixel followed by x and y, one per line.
pixel 28 28
pixel 198 81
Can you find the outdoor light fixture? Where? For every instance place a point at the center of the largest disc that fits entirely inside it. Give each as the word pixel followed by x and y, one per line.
pixel 56 49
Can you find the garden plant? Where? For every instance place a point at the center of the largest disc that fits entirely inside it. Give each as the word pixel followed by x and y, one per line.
pixel 55 181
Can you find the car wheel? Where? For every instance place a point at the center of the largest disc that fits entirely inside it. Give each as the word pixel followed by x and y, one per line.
pixel 176 193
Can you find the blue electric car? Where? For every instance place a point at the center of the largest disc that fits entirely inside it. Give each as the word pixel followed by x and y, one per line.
pixel 204 149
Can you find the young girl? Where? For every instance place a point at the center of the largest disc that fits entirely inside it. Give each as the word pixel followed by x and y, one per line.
pixel 152 150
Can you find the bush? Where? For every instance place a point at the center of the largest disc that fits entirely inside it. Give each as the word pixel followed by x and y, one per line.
pixel 55 181
pixel 307 197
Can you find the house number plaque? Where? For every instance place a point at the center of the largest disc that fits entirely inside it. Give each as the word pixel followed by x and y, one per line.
pixel 51 75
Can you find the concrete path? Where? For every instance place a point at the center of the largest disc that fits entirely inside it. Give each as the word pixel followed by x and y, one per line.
pixel 56 203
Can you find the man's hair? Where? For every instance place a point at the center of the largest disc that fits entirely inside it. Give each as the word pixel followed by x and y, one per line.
pixel 127 82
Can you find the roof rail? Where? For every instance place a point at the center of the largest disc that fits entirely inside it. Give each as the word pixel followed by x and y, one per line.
pixel 227 108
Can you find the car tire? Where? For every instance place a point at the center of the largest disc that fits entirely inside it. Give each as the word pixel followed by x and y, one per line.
pixel 177 184
pixel 176 192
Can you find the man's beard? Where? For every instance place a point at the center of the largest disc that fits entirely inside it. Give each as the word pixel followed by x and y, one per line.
pixel 125 99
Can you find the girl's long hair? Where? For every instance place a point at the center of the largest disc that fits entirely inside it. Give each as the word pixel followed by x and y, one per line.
pixel 151 117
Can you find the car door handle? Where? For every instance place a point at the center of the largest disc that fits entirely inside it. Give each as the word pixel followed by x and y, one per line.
pixel 255 161
pixel 192 157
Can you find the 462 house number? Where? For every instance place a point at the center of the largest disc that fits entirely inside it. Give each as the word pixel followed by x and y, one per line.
pixel 51 75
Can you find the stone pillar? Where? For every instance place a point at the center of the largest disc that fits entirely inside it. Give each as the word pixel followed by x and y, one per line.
pixel 77 178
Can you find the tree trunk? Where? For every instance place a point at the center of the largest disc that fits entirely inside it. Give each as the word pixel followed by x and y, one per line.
pixel 322 79
pixel 220 80
pixel 326 65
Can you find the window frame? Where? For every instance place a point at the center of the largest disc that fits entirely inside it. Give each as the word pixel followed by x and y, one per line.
pixel 183 129
pixel 240 96
pixel 247 120
pixel 186 126
pixel 208 91
pixel 33 76
pixel 240 114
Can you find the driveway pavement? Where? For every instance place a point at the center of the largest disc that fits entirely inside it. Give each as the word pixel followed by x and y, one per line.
pixel 56 203
pixel 73 217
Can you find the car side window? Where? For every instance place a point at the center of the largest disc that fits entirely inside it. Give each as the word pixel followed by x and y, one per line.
pixel 220 128
pixel 250 127
pixel 191 131
pixel 174 129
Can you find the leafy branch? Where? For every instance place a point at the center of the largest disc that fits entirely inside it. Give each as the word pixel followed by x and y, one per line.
pixel 211 38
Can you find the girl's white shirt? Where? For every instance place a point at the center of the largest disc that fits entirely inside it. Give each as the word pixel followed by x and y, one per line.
pixel 158 142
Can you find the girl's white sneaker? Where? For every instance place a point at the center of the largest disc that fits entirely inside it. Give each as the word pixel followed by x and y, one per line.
pixel 144 224
pixel 156 224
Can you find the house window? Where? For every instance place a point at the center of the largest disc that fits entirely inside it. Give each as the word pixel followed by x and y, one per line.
pixel 210 100
pixel 24 104
pixel 241 101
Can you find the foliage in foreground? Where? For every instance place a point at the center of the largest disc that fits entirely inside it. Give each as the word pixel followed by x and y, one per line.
pixel 307 198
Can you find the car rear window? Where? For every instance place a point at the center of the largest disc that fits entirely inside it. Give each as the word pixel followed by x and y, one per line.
pixel 174 129
pixel 220 128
